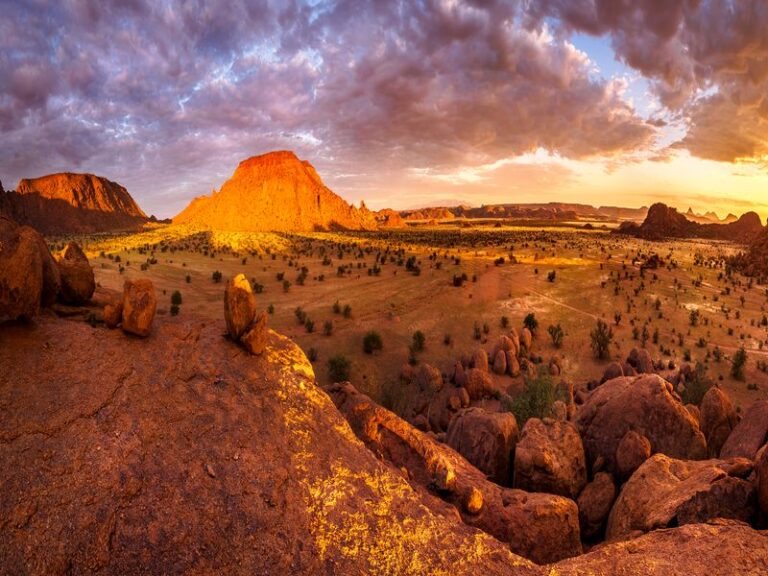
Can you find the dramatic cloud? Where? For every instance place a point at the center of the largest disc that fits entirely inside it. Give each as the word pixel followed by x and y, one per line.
pixel 167 97
pixel 708 60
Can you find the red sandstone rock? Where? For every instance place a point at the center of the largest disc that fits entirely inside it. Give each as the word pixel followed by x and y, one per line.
pixel 275 191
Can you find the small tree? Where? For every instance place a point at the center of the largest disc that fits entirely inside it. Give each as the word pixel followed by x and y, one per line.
pixel 535 401
pixel 601 338
pixel 336 307
pixel 531 323
pixel 176 298
pixel 372 342
pixel 338 368
pixel 328 328
pixel 557 334
pixel 418 341
pixel 504 322
pixel 738 363
pixel 347 311
pixel 216 276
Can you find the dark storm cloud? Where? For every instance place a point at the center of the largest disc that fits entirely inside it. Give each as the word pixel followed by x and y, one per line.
pixel 708 60
pixel 166 97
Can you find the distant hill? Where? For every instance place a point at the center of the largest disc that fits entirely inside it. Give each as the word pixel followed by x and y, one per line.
pixel 275 192
pixel 666 222
pixel 68 203
pixel 555 211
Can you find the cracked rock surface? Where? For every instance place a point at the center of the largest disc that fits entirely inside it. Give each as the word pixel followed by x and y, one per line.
pixel 182 453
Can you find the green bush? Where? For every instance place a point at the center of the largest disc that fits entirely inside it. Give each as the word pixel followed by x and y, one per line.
pixel 338 368
pixel 535 401
pixel 372 342
pixel 738 363
pixel 697 385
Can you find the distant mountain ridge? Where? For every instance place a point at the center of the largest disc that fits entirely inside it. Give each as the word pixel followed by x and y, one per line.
pixel 69 203
pixel 664 221
pixel 275 192
pixel 556 211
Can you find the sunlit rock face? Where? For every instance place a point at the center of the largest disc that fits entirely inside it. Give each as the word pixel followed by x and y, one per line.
pixel 183 453
pixel 275 191
pixel 73 204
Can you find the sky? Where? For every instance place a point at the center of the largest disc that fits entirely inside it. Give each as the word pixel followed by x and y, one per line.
pixel 399 103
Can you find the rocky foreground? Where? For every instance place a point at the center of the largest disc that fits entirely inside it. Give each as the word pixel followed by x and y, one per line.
pixel 185 446
pixel 183 453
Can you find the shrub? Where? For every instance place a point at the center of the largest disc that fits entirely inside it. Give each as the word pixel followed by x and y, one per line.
pixel 175 309
pixel 309 325
pixel 188 279
pixel 697 385
pixel 738 363
pixel 418 341
pixel 504 322
pixel 286 285
pixel 556 333
pixel 176 298
pixel 347 311
pixel 216 276
pixel 535 401
pixel 551 276
pixel 531 323
pixel 338 368
pixel 601 338
pixel 372 342
pixel 336 307
pixel 271 308
pixel 328 328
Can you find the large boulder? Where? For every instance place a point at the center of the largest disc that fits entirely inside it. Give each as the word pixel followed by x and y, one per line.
pixel 722 548
pixel 613 370
pixel 550 458
pixel 186 455
pixel 632 451
pixel 480 360
pixel 665 492
pixel 640 360
pixel 487 440
pixel 77 280
pixel 500 363
pixel 239 306
pixel 595 503
pixel 26 277
pixel 748 435
pixel 444 405
pixel 139 307
pixel 255 339
pixel 541 527
pixel 761 467
pixel 646 404
pixel 479 383
pixel 717 418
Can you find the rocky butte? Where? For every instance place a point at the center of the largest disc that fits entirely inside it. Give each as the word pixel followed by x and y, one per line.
pixel 664 221
pixel 275 192
pixel 68 203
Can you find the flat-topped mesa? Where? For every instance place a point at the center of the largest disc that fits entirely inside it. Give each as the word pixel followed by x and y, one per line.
pixel 275 192
pixel 68 203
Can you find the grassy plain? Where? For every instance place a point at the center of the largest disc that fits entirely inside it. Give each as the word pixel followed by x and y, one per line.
pixel 596 275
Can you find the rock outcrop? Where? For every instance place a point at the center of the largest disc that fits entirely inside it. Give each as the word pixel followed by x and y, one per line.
pixel 69 203
pixel 389 218
pixel 138 307
pixel 550 458
pixel 487 440
pixel 29 277
pixel 723 548
pixel 665 492
pixel 664 221
pixel 718 419
pixel 77 280
pixel 595 503
pixel 187 455
pixel 646 404
pixel 748 435
pixel 541 527
pixel 275 192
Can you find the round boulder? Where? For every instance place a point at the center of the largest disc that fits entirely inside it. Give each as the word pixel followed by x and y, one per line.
pixel 139 306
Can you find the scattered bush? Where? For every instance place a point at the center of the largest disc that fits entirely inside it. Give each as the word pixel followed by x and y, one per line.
pixel 338 368
pixel 600 339
pixel 372 342
pixel 557 334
